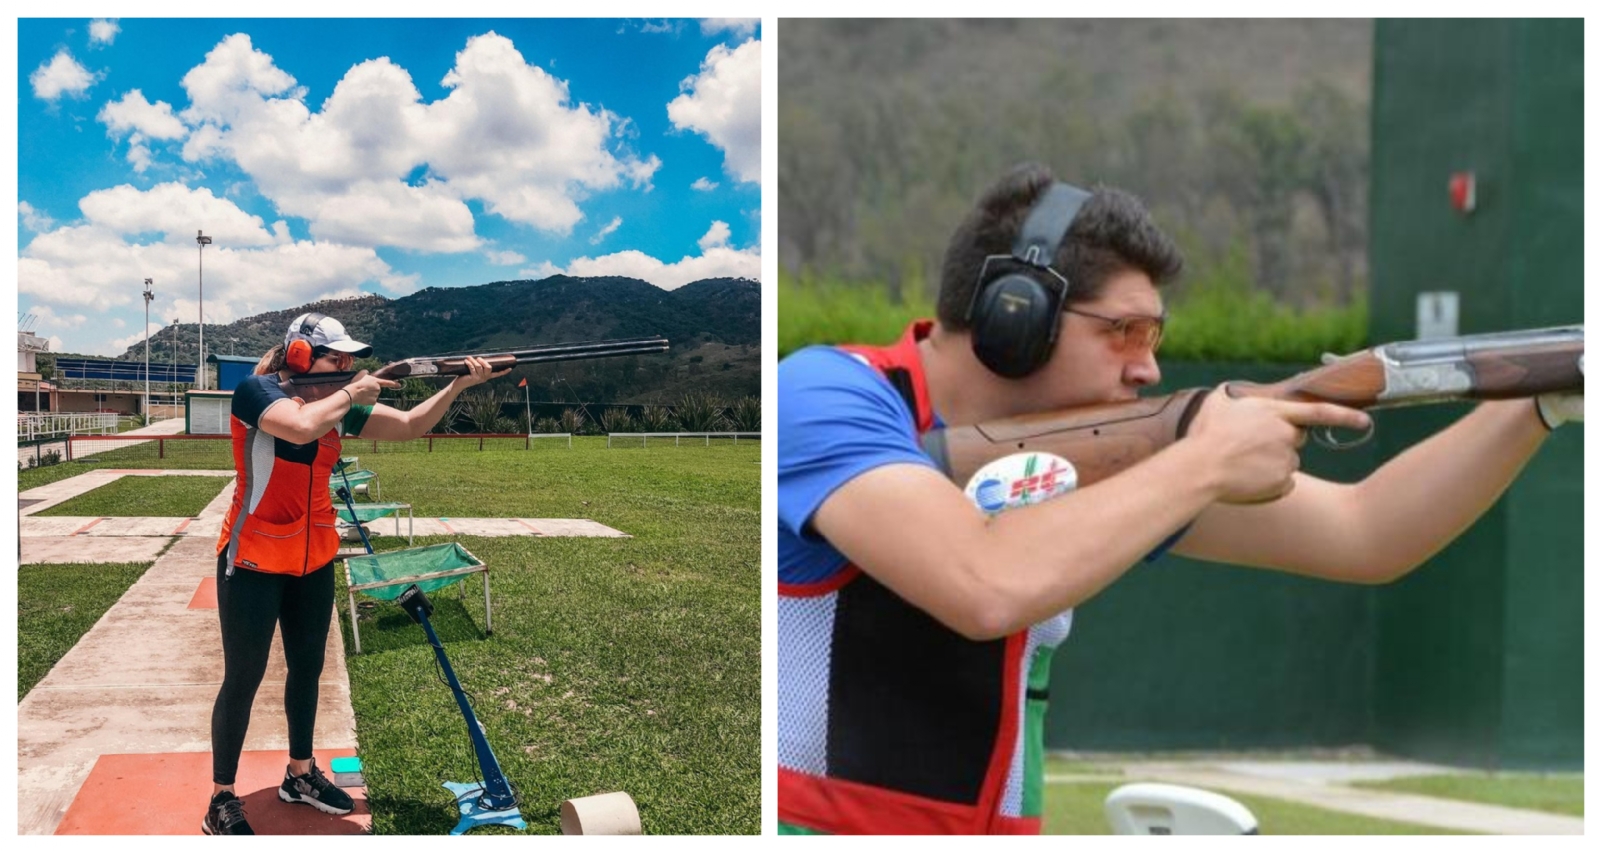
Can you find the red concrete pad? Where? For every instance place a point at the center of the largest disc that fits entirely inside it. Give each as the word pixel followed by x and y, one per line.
pixel 205 597
pixel 166 794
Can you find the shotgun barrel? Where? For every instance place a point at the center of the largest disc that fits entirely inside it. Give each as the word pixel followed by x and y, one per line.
pixel 313 386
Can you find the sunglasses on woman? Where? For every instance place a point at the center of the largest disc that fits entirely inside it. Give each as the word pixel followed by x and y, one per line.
pixel 1137 332
pixel 343 360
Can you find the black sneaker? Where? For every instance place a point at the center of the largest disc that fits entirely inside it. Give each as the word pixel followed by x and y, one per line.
pixel 316 789
pixel 225 817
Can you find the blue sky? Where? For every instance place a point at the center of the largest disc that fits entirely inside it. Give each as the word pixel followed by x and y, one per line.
pixel 335 157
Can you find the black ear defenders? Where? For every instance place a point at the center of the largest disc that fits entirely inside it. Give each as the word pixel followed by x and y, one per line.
pixel 1015 311
pixel 298 354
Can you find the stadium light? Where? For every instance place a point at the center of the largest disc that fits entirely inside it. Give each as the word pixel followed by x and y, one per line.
pixel 148 295
pixel 203 240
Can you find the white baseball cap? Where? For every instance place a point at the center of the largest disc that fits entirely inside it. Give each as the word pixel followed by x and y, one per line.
pixel 324 332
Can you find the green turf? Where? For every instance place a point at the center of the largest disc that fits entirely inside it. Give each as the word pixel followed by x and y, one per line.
pixel 143 496
pixel 1560 794
pixel 1056 765
pixel 615 665
pixel 1079 808
pixel 39 476
pixel 56 605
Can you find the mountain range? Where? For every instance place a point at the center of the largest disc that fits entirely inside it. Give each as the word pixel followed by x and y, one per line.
pixel 714 325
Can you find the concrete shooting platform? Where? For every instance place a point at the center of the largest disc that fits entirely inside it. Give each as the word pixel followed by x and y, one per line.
pixel 142 681
pixel 116 738
pixel 107 540
pixel 117 797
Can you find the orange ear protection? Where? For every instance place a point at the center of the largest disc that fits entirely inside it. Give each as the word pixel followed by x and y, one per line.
pixel 298 354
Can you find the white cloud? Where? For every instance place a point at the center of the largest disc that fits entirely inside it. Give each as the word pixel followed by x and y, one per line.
pixel 716 237
pixel 538 273
pixel 723 102
pixel 507 134
pixel 606 231
pixel 662 26
pixel 49 318
pixel 177 212
pixel 118 346
pixel 93 267
pixel 716 260
pixel 739 27
pixel 420 218
pixel 703 184
pixel 103 31
pixel 505 258
pixel 34 219
pixel 62 75
pixel 140 120
pixel 133 114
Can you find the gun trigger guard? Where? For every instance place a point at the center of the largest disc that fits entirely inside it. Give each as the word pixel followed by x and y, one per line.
pixel 1325 435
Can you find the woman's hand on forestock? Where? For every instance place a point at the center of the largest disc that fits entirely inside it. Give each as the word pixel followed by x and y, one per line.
pixel 364 388
pixel 480 372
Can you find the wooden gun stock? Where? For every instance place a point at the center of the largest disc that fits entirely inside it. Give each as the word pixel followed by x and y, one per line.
pixel 1099 440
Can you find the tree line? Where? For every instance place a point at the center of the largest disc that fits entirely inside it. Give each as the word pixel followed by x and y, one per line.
pixel 874 174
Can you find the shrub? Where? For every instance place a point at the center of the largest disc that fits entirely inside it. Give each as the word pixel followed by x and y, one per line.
pixel 816 310
pixel 546 425
pixel 656 418
pixel 572 421
pixel 700 412
pixel 745 414
pixel 1217 314
pixel 481 409
pixel 616 420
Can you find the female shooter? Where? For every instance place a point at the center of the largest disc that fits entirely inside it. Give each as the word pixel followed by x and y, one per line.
pixel 279 540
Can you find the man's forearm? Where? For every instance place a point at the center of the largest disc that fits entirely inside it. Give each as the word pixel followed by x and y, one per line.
pixel 1413 506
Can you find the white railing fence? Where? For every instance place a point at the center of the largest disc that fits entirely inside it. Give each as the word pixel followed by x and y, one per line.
pixel 678 436
pixel 32 426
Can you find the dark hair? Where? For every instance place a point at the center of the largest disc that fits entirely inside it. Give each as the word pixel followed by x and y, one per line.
pixel 1113 232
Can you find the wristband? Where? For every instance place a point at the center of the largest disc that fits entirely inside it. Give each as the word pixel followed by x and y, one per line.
pixel 347 394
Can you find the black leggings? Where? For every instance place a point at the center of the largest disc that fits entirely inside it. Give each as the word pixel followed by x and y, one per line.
pixel 250 603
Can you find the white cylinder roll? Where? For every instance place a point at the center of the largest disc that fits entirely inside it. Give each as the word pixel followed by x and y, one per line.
pixel 611 814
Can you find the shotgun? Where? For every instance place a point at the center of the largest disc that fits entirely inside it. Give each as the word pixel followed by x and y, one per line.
pixel 1102 440
pixel 319 385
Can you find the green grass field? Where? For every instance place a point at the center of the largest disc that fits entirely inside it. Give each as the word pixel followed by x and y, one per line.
pixel 1559 794
pixel 56 605
pixel 1079 808
pixel 615 665
pixel 137 496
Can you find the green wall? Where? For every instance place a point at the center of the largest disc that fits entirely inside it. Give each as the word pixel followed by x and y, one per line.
pixel 1476 658
pixel 1181 654
pixel 1480 653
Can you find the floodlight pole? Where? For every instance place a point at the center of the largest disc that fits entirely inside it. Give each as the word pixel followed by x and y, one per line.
pixel 148 295
pixel 171 385
pixel 200 369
